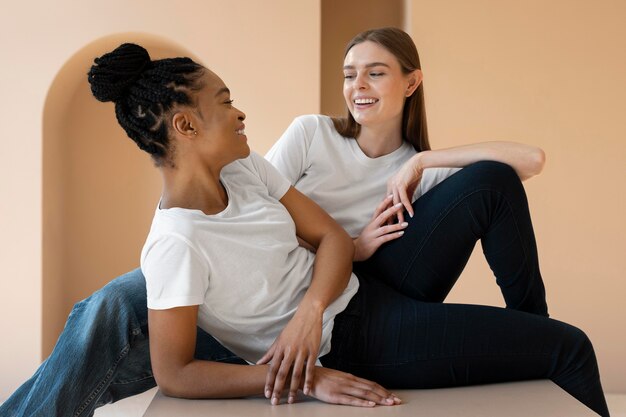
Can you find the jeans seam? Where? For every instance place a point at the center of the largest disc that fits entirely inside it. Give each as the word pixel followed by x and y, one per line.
pixel 133 380
pixel 102 383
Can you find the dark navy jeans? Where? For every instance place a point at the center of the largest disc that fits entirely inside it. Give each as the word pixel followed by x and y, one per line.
pixel 395 330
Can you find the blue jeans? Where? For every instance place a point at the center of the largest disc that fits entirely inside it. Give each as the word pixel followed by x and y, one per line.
pixel 102 355
pixel 395 331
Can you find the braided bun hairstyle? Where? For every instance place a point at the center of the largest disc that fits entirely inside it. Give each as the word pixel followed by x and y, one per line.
pixel 144 92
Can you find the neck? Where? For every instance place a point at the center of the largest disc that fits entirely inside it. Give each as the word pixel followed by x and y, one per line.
pixel 379 140
pixel 193 188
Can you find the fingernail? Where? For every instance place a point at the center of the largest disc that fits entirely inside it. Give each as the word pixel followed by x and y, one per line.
pixel 405 224
pixel 371 403
pixel 411 215
pixel 268 393
pixel 274 401
pixel 390 196
pixel 389 401
pixel 401 233
pixel 290 400
pixel 398 205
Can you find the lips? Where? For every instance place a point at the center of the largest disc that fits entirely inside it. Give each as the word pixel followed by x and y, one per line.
pixel 241 130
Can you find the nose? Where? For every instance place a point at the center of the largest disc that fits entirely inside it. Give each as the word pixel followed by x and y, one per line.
pixel 360 82
pixel 241 116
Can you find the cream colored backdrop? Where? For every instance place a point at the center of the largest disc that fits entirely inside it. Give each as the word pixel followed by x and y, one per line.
pixel 266 51
pixel 550 73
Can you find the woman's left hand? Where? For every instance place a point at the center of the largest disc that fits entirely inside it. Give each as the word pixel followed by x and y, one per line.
pixel 403 183
pixel 294 351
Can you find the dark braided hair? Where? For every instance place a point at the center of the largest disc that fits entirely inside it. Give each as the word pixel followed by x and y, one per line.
pixel 144 93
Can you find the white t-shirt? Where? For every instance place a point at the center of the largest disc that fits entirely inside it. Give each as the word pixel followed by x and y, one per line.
pixel 242 266
pixel 337 175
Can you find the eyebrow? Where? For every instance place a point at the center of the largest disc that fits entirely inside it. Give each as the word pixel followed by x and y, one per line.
pixel 222 90
pixel 373 64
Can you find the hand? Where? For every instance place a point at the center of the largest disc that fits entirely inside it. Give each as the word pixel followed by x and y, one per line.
pixel 296 347
pixel 336 387
pixel 403 184
pixel 379 230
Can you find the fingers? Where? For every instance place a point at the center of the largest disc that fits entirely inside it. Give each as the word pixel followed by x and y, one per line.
pixel 385 216
pixel 388 231
pixel 383 206
pixel 267 357
pixel 310 375
pixel 364 393
pixel 281 376
pixel 296 376
pixel 406 202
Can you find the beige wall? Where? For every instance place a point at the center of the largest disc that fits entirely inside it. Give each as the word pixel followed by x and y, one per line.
pixel 253 45
pixel 550 73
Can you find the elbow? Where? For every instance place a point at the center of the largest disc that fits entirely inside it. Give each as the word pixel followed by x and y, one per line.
pixel 535 164
pixel 170 386
pixel 539 160
pixel 167 386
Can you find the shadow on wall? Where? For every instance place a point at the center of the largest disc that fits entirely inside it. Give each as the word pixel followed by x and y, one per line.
pixel 99 189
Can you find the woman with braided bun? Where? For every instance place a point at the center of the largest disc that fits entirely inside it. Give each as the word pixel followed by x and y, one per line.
pixel 225 256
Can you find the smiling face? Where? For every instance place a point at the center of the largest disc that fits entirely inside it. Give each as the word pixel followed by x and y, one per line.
pixel 375 87
pixel 219 122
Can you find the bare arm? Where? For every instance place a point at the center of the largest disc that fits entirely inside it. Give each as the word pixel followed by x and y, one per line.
pixel 526 160
pixel 178 374
pixel 297 347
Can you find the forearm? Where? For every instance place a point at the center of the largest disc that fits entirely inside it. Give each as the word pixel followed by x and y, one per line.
pixel 526 160
pixel 331 271
pixel 204 379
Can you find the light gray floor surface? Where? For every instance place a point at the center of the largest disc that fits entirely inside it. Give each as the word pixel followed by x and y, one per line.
pixel 444 400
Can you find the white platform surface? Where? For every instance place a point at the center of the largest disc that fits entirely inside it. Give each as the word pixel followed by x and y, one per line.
pixel 530 398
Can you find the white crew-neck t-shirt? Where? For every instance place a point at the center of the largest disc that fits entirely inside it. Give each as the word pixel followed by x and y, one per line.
pixel 337 175
pixel 242 266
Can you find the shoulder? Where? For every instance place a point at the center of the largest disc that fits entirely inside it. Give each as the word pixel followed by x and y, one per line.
pixel 253 163
pixel 314 123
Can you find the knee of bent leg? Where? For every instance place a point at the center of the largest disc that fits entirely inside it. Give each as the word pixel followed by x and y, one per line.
pixel 127 293
pixel 578 344
pixel 494 174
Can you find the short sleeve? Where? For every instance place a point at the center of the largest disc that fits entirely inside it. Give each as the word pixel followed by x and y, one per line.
pixel 289 153
pixel 432 177
pixel 176 275
pixel 277 184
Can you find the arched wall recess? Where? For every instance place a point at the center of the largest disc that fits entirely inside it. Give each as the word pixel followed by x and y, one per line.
pixel 99 190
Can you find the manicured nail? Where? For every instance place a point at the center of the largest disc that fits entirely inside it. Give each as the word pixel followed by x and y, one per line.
pixel 405 224
pixel 371 403
pixel 398 205
pixel 275 401
pixel 390 196
pixel 411 215
pixel 401 233
pixel 268 393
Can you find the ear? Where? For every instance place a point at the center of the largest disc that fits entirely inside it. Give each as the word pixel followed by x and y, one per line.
pixel 182 124
pixel 415 79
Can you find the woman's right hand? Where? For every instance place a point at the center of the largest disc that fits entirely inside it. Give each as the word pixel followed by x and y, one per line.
pixel 336 387
pixel 379 230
